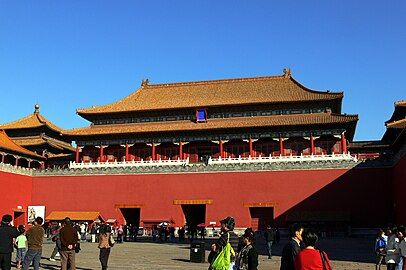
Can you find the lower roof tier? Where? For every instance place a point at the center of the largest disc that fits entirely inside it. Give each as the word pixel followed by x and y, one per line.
pixel 316 119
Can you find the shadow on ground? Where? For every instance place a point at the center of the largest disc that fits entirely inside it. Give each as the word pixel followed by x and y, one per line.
pixel 340 248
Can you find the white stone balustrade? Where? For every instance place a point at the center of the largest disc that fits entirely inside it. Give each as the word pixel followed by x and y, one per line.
pixel 126 164
pixel 211 161
pixel 271 159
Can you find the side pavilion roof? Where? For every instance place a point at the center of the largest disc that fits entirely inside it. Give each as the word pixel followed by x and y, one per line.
pixel 43 139
pixel 31 121
pixel 7 144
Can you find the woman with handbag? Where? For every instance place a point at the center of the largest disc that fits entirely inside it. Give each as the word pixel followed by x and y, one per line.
pixel 311 258
pixel 106 241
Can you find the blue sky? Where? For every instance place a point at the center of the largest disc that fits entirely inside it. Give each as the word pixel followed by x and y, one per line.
pixel 66 55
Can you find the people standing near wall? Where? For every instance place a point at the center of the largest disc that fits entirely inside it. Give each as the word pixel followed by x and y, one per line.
pixel 83 231
pixel 172 234
pixel 181 234
pixel 292 248
pixel 310 257
pixel 22 246
pixel 402 246
pixel 106 241
pixel 392 258
pixel 35 237
pixel 380 245
pixel 277 236
pixel 269 239
pixel 120 233
pixel 7 234
pixel 69 238
pixel 247 257
pixel 125 233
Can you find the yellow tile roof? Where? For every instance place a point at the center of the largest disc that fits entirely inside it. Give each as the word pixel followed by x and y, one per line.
pixel 216 123
pixel 400 103
pixel 7 144
pixel 258 90
pixel 74 215
pixel 397 124
pixel 43 139
pixel 31 121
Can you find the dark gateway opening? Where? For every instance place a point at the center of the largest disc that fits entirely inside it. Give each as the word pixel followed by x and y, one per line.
pixel 131 215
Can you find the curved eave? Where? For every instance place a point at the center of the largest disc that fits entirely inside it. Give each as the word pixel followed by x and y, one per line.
pixel 8 145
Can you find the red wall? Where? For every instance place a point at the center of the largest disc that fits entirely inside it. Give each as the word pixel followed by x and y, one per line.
pixel 15 190
pixel 399 179
pixel 352 191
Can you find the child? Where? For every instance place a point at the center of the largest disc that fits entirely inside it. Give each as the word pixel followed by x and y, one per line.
pixel 22 245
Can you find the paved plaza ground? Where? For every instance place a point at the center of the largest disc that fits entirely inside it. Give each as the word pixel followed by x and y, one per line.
pixel 346 253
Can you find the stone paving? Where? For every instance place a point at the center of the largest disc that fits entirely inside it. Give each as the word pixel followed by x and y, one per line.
pixel 346 254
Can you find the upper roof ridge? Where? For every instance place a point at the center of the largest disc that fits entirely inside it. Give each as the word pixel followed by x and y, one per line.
pixel 245 79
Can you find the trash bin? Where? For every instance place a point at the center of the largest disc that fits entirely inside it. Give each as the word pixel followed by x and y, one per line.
pixel 197 252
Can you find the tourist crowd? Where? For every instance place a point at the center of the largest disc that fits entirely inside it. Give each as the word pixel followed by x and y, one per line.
pixel 229 251
pixel 390 248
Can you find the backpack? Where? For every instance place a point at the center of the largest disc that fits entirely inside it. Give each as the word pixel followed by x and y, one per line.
pixel 222 261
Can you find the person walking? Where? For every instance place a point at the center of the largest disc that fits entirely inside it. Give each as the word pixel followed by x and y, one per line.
pixel 269 238
pixel 247 257
pixel 105 243
pixel 311 258
pixel 292 248
pixel 227 236
pixel 69 238
pixel 7 234
pixel 35 237
pixel 22 245
pixel 57 239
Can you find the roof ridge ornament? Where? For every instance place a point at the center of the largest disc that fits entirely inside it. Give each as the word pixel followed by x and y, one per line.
pixel 144 82
pixel 287 72
pixel 36 109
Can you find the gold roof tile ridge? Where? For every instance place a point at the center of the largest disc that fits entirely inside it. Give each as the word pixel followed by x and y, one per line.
pixel 217 81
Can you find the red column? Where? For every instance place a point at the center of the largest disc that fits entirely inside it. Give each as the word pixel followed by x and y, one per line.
pixel 127 152
pixel 101 153
pixel 180 150
pixel 343 143
pixel 17 161
pixel 77 154
pixel 251 148
pixel 281 150
pixel 312 144
pixel 221 149
pixel 42 165
pixel 153 151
